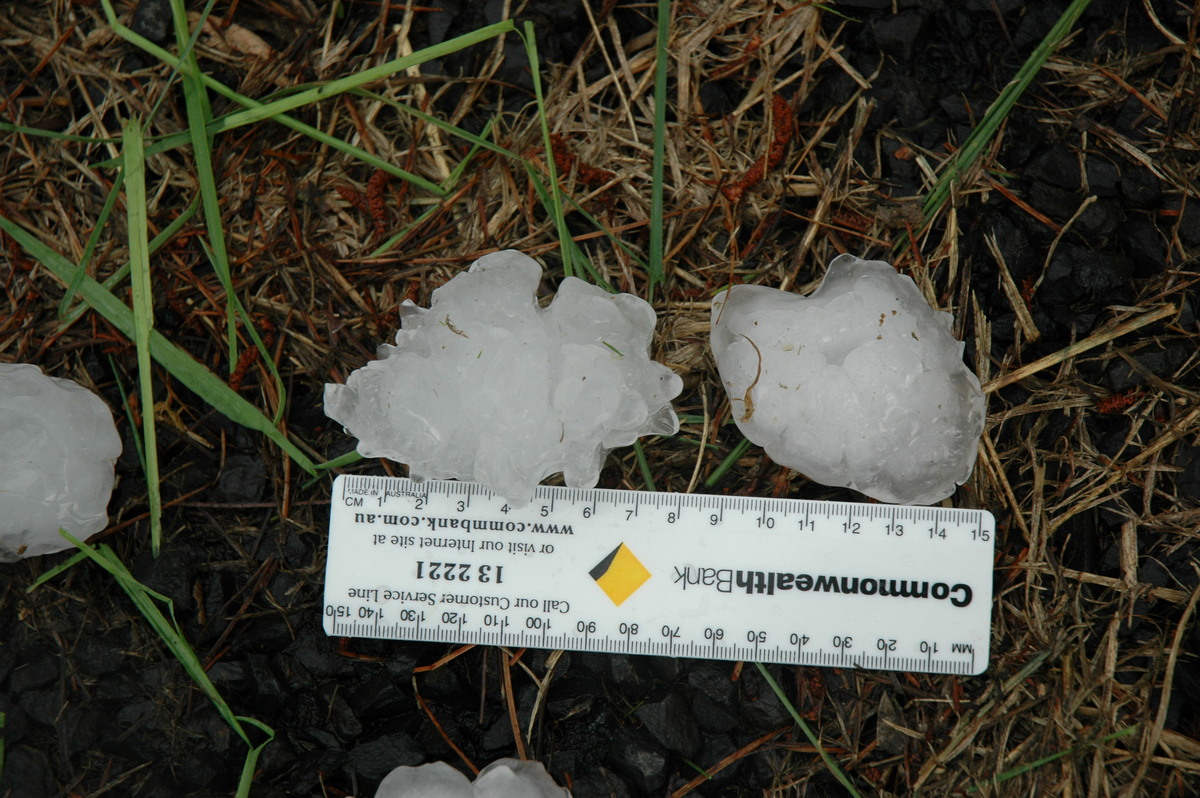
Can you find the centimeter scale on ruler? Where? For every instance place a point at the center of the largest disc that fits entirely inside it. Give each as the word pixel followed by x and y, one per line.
pixel 719 577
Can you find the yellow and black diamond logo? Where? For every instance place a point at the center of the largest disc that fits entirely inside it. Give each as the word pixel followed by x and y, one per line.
pixel 620 574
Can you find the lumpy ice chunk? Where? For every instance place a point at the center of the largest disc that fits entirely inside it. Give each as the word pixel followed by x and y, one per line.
pixel 504 778
pixel 487 386
pixel 860 384
pixel 59 444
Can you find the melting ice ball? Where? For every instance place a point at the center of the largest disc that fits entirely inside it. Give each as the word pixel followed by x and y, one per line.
pixel 504 778
pixel 860 385
pixel 58 444
pixel 485 385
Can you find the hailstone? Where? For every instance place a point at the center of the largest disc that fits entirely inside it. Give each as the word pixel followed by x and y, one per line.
pixel 504 778
pixel 485 385
pixel 860 384
pixel 59 444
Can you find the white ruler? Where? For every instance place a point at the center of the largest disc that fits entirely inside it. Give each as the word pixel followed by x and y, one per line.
pixel 683 575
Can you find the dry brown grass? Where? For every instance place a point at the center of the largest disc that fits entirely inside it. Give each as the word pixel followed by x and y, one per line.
pixel 302 223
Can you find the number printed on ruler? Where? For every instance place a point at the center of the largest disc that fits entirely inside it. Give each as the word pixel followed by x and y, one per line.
pixel 719 577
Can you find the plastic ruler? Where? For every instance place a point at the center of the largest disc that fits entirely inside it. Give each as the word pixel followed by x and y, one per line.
pixel 684 575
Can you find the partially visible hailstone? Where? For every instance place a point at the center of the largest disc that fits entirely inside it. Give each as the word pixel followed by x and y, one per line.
pixel 504 778
pixel 860 384
pixel 58 445
pixel 485 385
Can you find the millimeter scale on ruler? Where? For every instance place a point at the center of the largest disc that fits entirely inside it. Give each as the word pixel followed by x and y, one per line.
pixel 791 581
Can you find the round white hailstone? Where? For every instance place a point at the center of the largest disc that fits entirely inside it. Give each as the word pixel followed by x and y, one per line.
pixel 860 384
pixel 59 444
pixel 504 778
pixel 485 385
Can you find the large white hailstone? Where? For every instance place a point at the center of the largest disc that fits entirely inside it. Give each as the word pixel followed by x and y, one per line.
pixel 58 444
pixel 860 384
pixel 504 778
pixel 487 386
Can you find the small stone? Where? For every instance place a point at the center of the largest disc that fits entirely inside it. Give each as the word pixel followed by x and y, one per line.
pixel 1059 203
pixel 1100 220
pixel 640 759
pixel 897 35
pixel 269 693
pixel 1092 272
pixel 714 697
pixel 100 655
pixel 243 479
pixel 1103 177
pixel 670 720
pixel 341 718
pixel 1056 166
pixel 1189 224
pixel 1145 245
pixel 152 19
pixel 761 708
pixel 374 758
pixel 37 668
pixel 379 697
pixel 1141 187
pixel 27 773
pixel 570 697
pixel 600 783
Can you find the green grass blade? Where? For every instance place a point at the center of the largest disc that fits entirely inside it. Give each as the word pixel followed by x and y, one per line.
pixel 199 115
pixel 643 465
pixel 250 765
pixel 341 461
pixel 337 462
pixel 447 184
pixel 1020 770
pixel 133 430
pixel 456 174
pixel 259 344
pixel 829 761
pixel 401 234
pixel 177 362
pixel 614 239
pixel 656 266
pixel 999 110
pixel 480 142
pixel 8 127
pixel 217 125
pixel 167 629
pixel 374 74
pixel 89 249
pixel 143 315
pixel 65 565
pixel 169 632
pixel 116 277
pixel 319 93
pixel 186 55
pixel 719 472
pixel 567 245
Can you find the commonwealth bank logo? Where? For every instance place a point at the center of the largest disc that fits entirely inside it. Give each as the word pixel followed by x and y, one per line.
pixel 620 574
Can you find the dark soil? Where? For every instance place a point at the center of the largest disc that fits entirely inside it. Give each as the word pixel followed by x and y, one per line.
pixel 1090 197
